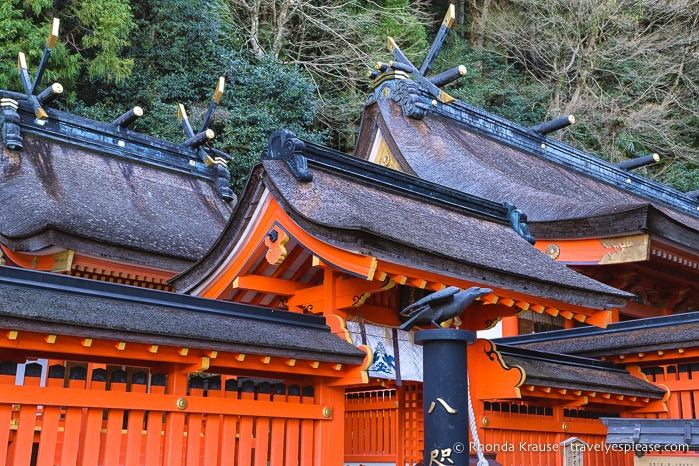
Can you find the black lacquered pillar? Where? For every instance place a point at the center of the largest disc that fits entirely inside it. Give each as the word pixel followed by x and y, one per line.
pixel 445 387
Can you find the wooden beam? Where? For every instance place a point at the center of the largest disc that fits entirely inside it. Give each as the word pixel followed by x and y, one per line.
pixel 267 285
pixel 617 250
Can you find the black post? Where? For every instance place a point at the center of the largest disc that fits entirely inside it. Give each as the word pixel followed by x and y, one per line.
pixel 554 125
pixel 445 391
pixel 639 162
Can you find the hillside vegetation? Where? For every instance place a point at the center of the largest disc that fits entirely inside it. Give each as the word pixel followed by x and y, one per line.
pixel 628 70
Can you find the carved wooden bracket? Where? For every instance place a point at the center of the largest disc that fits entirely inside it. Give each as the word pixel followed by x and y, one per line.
pixel 284 145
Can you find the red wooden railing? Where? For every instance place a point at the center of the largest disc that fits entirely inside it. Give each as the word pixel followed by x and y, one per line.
pixel 371 423
pixel 90 416
pixel 386 426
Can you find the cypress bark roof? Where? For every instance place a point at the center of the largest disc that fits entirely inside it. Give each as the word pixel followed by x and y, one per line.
pixel 106 191
pixel 472 151
pixel 361 206
pixel 559 371
pixel 636 336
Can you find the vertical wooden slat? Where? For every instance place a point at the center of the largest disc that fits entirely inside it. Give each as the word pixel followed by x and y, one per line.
pixel 350 425
pixel 194 430
pixel 73 419
pixel 194 424
pixel 5 419
pixel 24 436
pixel 278 432
pixel 685 395
pixel 361 427
pixel 49 435
pixel 245 443
pixel 134 428
pixel 262 426
pixel 48 438
pixel 674 403
pixel 91 435
pixel 372 427
pixel 212 433
pixel 91 439
pixel 695 392
pixel 154 420
pixel 293 431
pixel 307 444
pixel 174 438
pixel 229 430
pixel 390 431
pixel 173 447
pixel 115 422
pixel 134 437
pixel 261 441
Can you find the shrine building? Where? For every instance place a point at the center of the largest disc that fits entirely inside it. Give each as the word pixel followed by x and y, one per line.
pixel 152 316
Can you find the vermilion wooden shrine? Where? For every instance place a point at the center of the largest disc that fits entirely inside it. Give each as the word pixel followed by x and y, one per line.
pixel 150 316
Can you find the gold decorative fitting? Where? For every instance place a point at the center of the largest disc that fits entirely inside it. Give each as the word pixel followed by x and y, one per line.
pixel 182 403
pixel 553 251
pixel 53 35
pixel 21 61
pixel 565 427
pixel 485 421
pixel 275 241
pixel 386 91
pixel 218 93
pixel 327 412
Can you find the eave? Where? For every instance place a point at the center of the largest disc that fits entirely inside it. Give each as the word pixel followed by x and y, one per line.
pixel 503 374
pixel 641 341
pixel 53 316
pixel 289 274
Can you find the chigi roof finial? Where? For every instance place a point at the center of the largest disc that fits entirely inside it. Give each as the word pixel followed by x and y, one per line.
pixel 216 159
pixel 30 86
pixel 402 67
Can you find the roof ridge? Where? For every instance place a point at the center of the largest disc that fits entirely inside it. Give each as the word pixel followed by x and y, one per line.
pixel 284 145
pixel 416 102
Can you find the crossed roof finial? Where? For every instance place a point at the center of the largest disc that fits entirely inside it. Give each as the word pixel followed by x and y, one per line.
pixel 433 84
pixel 30 86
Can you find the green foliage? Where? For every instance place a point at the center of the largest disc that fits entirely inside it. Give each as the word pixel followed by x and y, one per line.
pixel 491 83
pixel 396 20
pixel 104 26
pixel 267 96
pixel 180 50
pixel 92 34
pixel 24 27
pixel 682 175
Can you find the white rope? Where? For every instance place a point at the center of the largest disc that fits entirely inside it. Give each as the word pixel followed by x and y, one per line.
pixel 474 429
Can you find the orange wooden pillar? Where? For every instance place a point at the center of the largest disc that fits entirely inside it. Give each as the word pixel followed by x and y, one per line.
pixel 177 384
pixel 510 326
pixel 329 432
